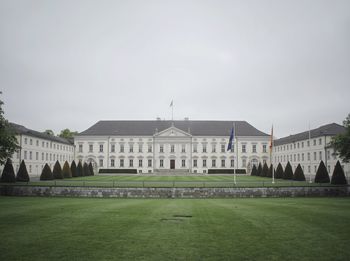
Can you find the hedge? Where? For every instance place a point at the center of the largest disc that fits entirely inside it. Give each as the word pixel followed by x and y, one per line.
pixel 22 174
pixel 46 173
pixel 8 174
pixel 57 171
pixel 322 174
pixel 66 171
pixel 338 177
pixel 299 174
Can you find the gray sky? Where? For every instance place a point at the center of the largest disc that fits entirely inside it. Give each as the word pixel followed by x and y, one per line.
pixel 68 64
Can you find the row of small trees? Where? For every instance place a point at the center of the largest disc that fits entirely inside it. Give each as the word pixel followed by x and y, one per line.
pixel 322 176
pixel 80 170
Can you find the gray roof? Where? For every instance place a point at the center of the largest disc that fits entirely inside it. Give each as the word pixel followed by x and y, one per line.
pixel 149 127
pixel 325 130
pixel 20 129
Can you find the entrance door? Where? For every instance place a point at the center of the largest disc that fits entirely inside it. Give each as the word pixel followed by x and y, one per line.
pixel 172 164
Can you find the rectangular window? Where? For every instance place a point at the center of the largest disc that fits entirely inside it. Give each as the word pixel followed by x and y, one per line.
pixel 320 155
pixel 25 154
pixel 232 163
pixel 42 156
pixel 264 148
pixel 30 168
pixel 195 163
pixel 37 142
pixel 149 163
pixel 298 145
pixel 204 148
pixel 294 145
pixel 308 156
pixel 112 162
pixel 42 144
pixel 204 163
pixel 308 143
pixel 195 148
pixel 314 142
pixel 101 147
pixel 113 148
pixel 149 148
pixel 172 148
pixel 91 147
pixel 315 169
pixel 25 141
pixel 140 163
pixel 223 147
pixel 302 157
pixel 30 155
pixel 315 155
pixel 183 163
pixel 223 163
pixel 319 141
pixel 101 162
pixel 54 157
pixel 47 145
pixel 36 155
pixel 309 169
pixel 161 148
pixel 30 142
pixel 131 148
pixel 298 157
pixel 213 163
pixel 243 148
pixel 161 163
pixel 213 148
pixel 140 148
pixel 121 163
pixel 131 163
pixel 80 147
pixel 302 144
pixel 121 147
pixel 183 148
pixel 254 148
pixel 50 157
pixel 295 157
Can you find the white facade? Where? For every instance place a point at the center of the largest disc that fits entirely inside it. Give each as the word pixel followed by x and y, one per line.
pixel 170 149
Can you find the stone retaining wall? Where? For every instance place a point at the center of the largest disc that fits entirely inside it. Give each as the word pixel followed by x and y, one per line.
pixel 51 191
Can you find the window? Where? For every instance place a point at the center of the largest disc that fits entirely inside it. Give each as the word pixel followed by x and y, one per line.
pixel 204 163
pixel 30 142
pixel 30 168
pixel 101 162
pixel 50 156
pixel 309 168
pixel 149 148
pixel 80 147
pixel 315 155
pixel 195 148
pixel 223 147
pixel 302 144
pixel 121 163
pixel 113 148
pixel 264 148
pixel 244 163
pixel 25 154
pixel 295 157
pixel 161 148
pixel 183 163
pixel 183 148
pixel 149 163
pixel 161 163
pixel 314 142
pixel 315 168
pixel 213 163
pixel 213 148
pixel 121 147
pixel 298 157
pixel 302 157
pixel 131 163
pixel 47 145
pixel 243 148
pixel 140 162
pixel 308 143
pixel 308 156
pixel 223 163
pixel 298 145
pixel 101 147
pixel 36 155
pixel 320 141
pixel 204 148
pixel 172 148
pixel 294 145
pixel 54 157
pixel 42 144
pixel 30 155
pixel 25 140
pixel 140 147
pixel 42 156
pixel 37 142
pixel 320 155
pixel 131 148
pixel 232 163
pixel 195 163
pixel 254 148
pixel 91 147
pixel 112 162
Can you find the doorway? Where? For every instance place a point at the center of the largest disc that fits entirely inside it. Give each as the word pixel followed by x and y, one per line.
pixel 172 164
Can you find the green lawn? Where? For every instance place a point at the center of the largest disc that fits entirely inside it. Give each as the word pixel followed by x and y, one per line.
pixel 173 181
pixel 172 229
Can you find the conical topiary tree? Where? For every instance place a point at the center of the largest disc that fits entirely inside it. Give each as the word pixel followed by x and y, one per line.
pixel 279 171
pixel 288 172
pixel 254 171
pixel 80 169
pixel 57 171
pixel 8 174
pixel 22 174
pixel 259 172
pixel 338 177
pixel 322 174
pixel 91 169
pixel 270 171
pixel 66 172
pixel 86 169
pixel 46 173
pixel 265 170
pixel 299 174
pixel 73 168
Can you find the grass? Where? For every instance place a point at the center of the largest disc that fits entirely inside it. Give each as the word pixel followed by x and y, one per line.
pixel 210 229
pixel 171 181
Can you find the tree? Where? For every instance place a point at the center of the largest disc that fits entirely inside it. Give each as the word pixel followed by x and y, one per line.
pixel 279 171
pixel 322 174
pixel 80 169
pixel 73 168
pixel 270 173
pixel 338 177
pixel 91 169
pixel 49 132
pixel 341 142
pixel 46 173
pixel 259 172
pixel 299 174
pixel 66 171
pixel 254 171
pixel 288 172
pixel 8 139
pixel 265 170
pixel 8 174
pixel 22 174
pixel 67 134
pixel 57 171
pixel 86 169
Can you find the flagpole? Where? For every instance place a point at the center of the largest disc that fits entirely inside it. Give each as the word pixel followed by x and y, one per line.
pixel 234 172
pixel 271 151
pixel 310 181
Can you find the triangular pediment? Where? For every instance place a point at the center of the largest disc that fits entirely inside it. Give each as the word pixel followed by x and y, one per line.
pixel 173 132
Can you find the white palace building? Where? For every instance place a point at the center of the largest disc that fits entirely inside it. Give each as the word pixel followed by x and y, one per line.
pixel 183 146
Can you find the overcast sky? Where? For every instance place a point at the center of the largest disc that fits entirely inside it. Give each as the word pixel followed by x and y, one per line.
pixel 69 64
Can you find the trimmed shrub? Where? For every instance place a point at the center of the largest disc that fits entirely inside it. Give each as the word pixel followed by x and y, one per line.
pixel 57 171
pixel 322 174
pixel 22 174
pixel 269 174
pixel 46 174
pixel 91 169
pixel 254 171
pixel 279 171
pixel 259 172
pixel 8 174
pixel 299 174
pixel 288 172
pixel 338 177
pixel 86 169
pixel 73 169
pixel 265 170
pixel 66 172
pixel 80 169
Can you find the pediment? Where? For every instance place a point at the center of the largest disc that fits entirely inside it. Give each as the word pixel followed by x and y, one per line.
pixel 173 132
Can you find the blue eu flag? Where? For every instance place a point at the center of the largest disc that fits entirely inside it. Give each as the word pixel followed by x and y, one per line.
pixel 229 146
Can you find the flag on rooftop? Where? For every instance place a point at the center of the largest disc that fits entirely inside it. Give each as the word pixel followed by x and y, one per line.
pixel 229 146
pixel 271 139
